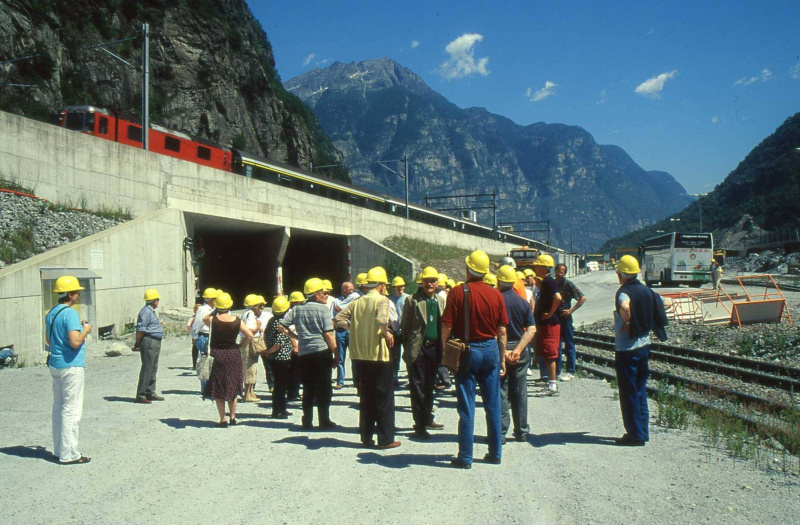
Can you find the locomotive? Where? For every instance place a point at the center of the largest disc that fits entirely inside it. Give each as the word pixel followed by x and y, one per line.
pixel 104 124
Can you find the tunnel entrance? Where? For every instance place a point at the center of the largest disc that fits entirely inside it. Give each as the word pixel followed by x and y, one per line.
pixel 239 257
pixel 312 254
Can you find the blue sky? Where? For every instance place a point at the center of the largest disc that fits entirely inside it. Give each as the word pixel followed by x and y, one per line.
pixel 685 87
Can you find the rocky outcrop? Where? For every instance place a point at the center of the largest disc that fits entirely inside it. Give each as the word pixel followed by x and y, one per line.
pixel 212 71
pixel 380 110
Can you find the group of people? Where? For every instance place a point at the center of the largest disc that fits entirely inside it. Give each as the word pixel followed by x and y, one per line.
pixel 508 321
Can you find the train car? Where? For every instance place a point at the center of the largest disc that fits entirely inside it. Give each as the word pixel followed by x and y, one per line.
pixel 102 123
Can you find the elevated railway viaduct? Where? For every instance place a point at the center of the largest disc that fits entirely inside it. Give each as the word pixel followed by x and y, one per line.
pixel 248 235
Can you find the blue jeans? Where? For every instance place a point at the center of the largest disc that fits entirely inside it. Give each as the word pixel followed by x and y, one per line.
pixel 567 347
pixel 481 366
pixel 632 371
pixel 342 343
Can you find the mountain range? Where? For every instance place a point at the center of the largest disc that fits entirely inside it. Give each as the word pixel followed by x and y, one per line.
pixel 378 109
pixel 762 194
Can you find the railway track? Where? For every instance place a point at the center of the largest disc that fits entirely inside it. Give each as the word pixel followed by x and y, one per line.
pixel 709 381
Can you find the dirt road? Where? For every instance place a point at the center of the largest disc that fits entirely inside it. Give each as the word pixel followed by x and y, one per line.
pixel 167 462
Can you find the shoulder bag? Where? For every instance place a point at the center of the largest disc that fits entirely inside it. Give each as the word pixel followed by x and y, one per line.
pixel 205 360
pixel 454 347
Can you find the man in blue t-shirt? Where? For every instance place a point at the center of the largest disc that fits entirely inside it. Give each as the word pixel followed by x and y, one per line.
pixel 65 335
pixel 520 330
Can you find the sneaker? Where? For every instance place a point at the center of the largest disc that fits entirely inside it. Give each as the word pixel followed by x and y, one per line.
pixel 529 372
pixel 567 377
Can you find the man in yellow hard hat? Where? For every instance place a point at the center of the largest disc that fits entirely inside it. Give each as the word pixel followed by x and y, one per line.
pixel 149 332
pixel 398 299
pixel 199 330
pixel 370 344
pixel 637 311
pixel 422 351
pixel 65 335
pixel 349 294
pixel 568 292
pixel 548 323
pixel 317 353
pixel 485 335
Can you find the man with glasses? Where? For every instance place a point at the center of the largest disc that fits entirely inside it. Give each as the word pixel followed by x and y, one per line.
pixel 421 327
pixel 349 295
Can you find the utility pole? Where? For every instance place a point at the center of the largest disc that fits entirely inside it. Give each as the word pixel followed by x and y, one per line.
pixel 145 86
pixel 494 209
pixel 405 168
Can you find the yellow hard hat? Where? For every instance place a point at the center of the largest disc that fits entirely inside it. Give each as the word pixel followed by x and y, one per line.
pixel 459 283
pixel 442 280
pixel 478 261
pixel 429 273
pixel 312 285
pixel 520 275
pixel 261 300
pixel 280 304
pixel 219 292
pixel 361 279
pixel 527 272
pixel 377 275
pixel 490 279
pixel 544 260
pixel 398 281
pixel 251 300
pixel 419 278
pixel 151 294
pixel 451 283
pixel 297 297
pixel 628 264
pixel 224 301
pixel 210 293
pixel 67 283
pixel 506 274
pixel 327 285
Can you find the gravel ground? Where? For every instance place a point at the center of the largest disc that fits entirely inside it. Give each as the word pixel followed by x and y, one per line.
pixel 167 462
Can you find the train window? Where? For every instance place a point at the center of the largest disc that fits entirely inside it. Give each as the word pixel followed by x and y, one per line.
pixel 172 144
pixel 75 121
pixel 135 133
pixel 248 169
pixel 205 154
pixel 103 129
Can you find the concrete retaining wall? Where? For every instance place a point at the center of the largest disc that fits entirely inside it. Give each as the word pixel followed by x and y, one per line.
pixel 68 167
pixel 140 254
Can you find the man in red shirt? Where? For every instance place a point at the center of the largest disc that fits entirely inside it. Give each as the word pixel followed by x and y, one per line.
pixel 484 362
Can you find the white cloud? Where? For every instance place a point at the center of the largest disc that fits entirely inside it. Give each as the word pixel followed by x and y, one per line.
pixel 548 90
pixel 714 119
pixel 653 86
pixel 462 61
pixel 765 75
pixel 794 71
pixel 414 44
pixel 308 59
pixel 603 97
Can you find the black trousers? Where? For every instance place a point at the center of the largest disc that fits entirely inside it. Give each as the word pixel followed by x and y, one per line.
pixel 268 371
pixel 376 400
pixel 295 378
pixel 316 372
pixel 280 371
pixel 395 353
pixel 421 377
pixel 195 353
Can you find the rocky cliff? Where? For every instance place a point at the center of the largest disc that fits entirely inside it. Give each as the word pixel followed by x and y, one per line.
pixel 212 71
pixel 380 110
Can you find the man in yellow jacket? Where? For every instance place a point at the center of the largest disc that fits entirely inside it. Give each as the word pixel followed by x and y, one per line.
pixel 370 344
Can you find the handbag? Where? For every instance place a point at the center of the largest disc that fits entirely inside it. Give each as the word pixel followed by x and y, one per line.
pixel 454 347
pixel 258 346
pixel 205 360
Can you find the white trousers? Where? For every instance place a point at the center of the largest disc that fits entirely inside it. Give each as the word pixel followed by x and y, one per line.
pixel 67 411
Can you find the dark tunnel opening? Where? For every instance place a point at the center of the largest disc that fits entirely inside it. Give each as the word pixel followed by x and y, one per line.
pixel 312 254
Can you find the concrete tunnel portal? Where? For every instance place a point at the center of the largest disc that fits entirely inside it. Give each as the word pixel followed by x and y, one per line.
pixel 243 257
